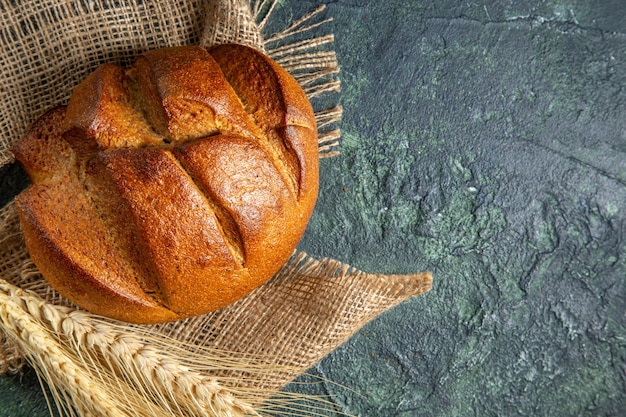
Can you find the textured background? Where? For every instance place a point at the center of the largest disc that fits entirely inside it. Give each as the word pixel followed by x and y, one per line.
pixel 484 141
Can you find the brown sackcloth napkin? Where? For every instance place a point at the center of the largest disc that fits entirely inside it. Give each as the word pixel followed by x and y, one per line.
pixel 230 362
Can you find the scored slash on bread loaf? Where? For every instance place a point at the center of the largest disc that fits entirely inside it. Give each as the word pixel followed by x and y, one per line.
pixel 172 188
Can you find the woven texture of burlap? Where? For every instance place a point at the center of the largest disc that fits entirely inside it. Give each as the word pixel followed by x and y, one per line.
pixel 48 46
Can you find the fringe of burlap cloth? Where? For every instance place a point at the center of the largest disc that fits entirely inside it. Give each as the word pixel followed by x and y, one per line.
pixel 309 308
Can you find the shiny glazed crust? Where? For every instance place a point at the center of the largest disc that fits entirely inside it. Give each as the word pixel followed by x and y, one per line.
pixel 172 188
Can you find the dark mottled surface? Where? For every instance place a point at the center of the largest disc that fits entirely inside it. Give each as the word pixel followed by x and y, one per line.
pixel 484 141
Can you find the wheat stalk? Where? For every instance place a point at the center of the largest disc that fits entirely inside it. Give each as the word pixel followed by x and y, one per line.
pixel 96 367
pixel 95 363
pixel 49 357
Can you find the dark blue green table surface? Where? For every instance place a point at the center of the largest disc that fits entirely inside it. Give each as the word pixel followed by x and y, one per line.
pixel 484 141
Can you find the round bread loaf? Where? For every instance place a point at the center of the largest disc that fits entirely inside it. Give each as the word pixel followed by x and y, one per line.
pixel 172 188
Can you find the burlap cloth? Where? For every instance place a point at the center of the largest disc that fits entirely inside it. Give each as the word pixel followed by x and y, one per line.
pixel 309 308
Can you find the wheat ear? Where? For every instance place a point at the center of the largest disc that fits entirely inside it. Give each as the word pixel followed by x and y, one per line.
pixel 92 364
pixel 95 367
pixel 168 380
pixel 22 322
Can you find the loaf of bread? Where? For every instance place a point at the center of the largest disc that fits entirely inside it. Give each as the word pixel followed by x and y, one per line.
pixel 172 188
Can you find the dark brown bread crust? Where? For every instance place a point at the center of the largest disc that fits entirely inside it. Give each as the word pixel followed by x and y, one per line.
pixel 173 188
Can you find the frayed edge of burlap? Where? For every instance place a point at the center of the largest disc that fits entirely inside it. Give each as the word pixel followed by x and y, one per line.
pixel 314 66
pixel 310 60
pixel 312 319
